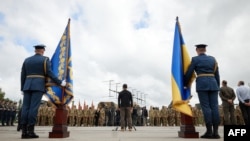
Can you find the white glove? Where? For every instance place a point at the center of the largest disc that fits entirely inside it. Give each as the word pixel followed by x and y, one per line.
pixel 63 84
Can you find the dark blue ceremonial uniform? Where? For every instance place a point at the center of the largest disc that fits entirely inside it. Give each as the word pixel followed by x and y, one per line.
pixel 207 87
pixel 204 64
pixel 34 71
pixel 3 113
pixel 33 83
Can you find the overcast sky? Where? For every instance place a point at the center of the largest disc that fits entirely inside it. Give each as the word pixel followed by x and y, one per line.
pixel 127 41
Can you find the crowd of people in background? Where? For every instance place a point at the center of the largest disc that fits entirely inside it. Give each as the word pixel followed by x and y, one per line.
pixel 8 112
pixel 110 116
pixel 107 114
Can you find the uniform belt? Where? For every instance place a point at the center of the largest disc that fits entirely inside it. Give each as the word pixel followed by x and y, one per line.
pixel 205 74
pixel 31 76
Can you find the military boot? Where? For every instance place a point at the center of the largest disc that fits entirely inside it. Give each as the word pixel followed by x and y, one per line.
pixel 25 134
pixel 215 132
pixel 18 127
pixel 31 132
pixel 208 134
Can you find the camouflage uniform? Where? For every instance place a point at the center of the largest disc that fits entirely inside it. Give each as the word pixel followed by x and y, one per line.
pixel 221 115
pixel 195 116
pixel 151 116
pixel 102 117
pixel 157 117
pixel 177 118
pixel 201 117
pixel 43 114
pixel 164 115
pixel 85 117
pixel 39 116
pixel 171 114
pixel 51 114
pixel 79 117
pixel 91 116
pixel 238 114
pixel 72 115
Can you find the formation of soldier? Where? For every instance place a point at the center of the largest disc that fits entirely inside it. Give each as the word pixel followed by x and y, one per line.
pixel 106 114
pixel 8 112
pixel 167 116
pixel 109 116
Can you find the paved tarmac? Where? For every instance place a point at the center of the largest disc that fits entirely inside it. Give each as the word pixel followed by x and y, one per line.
pixel 108 133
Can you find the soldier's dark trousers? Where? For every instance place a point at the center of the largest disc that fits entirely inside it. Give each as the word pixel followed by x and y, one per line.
pixel 3 118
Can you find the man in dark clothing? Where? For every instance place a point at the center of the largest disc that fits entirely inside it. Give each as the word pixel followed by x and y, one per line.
pixel 117 117
pixel 13 113
pixel 125 105
pixel 134 115
pixel 1 109
pixel 144 116
pixel 19 126
pixel 97 115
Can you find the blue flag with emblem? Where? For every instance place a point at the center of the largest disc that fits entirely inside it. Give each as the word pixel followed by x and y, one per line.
pixel 61 65
pixel 180 63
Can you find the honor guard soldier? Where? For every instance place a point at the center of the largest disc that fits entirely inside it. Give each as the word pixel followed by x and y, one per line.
pixel 1 109
pixel 207 87
pixel 4 112
pixel 33 72
pixel 13 113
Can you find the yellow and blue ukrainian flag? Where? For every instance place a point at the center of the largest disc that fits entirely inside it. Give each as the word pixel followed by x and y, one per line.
pixel 180 63
pixel 61 65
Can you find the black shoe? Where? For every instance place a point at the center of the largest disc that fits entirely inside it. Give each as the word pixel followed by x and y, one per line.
pixel 207 136
pixel 25 136
pixel 18 128
pixel 31 132
pixel 216 136
pixel 33 135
